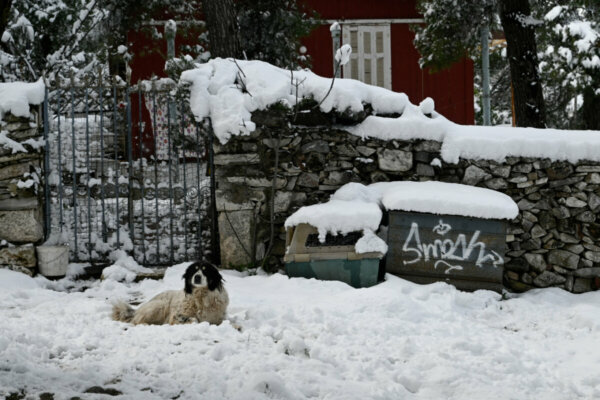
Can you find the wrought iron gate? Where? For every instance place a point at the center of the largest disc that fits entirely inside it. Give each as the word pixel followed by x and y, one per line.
pixel 126 169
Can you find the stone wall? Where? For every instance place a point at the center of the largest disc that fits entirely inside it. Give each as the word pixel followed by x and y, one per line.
pixel 553 241
pixel 21 222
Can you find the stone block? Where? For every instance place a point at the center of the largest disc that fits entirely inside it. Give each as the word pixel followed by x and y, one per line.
pixel 258 182
pixel 496 183
pixel 588 168
pixel 283 200
pixel 346 150
pixel 524 168
pixel 586 216
pixel 394 160
pixel 425 170
pixel 592 256
pixel 236 232
pixel 22 226
pixel 574 202
pixel 308 179
pixel 594 202
pixel 338 178
pixel 582 285
pixel 589 273
pixel 19 203
pixel 502 171
pixel 548 278
pixel 525 205
pixel 18 255
pixel 13 171
pixel 537 231
pixel 365 151
pixel 319 146
pixel 235 198
pixel 563 258
pixel 536 262
pixel 430 146
pixel 236 159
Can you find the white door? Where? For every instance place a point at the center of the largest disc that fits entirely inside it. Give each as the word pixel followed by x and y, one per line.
pixel 371 60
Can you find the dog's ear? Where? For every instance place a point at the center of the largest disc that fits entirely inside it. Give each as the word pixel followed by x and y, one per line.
pixel 213 276
pixel 187 276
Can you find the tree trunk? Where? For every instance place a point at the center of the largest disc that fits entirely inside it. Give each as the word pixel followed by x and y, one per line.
pixel 590 110
pixel 522 57
pixel 4 14
pixel 221 22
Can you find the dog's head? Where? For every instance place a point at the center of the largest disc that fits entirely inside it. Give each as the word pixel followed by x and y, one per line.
pixel 202 274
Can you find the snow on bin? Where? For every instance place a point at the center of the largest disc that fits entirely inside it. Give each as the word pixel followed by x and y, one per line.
pixel 336 241
pixel 446 232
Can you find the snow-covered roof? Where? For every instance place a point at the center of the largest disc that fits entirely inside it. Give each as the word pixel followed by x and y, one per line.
pixel 15 97
pixel 445 198
pixel 229 91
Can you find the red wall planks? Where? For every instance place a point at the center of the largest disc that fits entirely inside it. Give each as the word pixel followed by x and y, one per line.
pixel 360 9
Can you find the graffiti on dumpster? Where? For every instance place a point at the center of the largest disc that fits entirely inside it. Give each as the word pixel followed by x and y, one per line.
pixel 449 252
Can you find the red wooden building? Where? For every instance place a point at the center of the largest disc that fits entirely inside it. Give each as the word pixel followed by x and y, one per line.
pixel 383 54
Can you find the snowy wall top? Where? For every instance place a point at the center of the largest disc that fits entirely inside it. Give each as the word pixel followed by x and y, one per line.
pixel 445 198
pixel 15 97
pixel 228 92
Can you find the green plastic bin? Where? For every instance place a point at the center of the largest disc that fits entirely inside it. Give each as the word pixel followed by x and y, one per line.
pixel 329 262
pixel 356 273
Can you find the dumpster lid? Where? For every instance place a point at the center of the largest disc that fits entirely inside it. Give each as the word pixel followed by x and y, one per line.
pixel 445 198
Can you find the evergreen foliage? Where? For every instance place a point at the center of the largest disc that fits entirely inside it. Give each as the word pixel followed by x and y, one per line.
pixel 451 30
pixel 64 36
pixel 568 44
pixel 74 35
pixel 270 30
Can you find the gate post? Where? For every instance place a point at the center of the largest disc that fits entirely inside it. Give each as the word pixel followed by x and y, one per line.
pixel 46 121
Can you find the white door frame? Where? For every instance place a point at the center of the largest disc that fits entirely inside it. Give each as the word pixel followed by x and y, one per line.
pixel 360 57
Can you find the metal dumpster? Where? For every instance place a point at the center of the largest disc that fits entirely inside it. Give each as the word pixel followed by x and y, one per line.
pixel 335 259
pixel 463 251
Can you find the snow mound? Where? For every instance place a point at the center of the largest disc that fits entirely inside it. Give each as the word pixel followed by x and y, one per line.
pixel 11 280
pixel 446 198
pixel 369 243
pixel 357 192
pixel 338 216
pixel 498 142
pixel 342 55
pixel 228 92
pixel 124 269
pixel 15 97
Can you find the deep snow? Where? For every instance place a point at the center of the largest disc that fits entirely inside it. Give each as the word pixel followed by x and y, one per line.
pixel 303 339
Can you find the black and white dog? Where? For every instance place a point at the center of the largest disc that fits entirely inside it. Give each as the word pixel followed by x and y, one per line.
pixel 203 298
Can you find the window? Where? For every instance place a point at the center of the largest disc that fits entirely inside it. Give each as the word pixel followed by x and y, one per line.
pixel 370 61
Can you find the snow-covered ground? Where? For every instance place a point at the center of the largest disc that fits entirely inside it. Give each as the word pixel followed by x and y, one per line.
pixel 302 339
